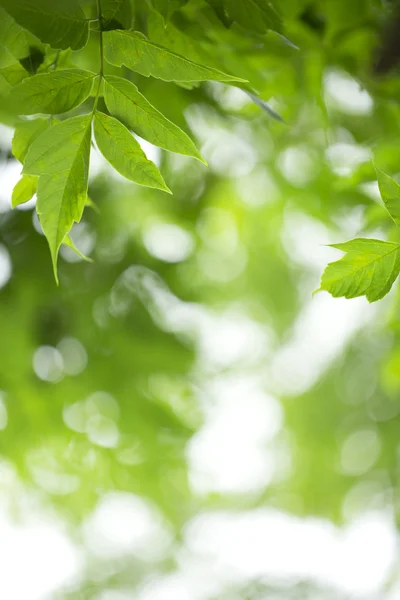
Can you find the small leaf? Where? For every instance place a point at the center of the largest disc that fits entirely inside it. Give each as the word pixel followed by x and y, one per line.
pixel 56 22
pixel 369 269
pixel 67 241
pixel 124 153
pixel 24 190
pixel 125 102
pixel 24 135
pixel 135 51
pixel 60 156
pixel 390 194
pixel 52 93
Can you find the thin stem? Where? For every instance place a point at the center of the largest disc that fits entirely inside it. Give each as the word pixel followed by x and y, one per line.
pixel 101 72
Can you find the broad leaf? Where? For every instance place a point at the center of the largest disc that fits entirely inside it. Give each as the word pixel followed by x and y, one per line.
pixel 125 102
pixel 51 93
pixel 369 269
pixel 135 51
pixel 390 194
pixel 167 7
pixel 24 190
pixel 124 153
pixel 60 156
pixel 60 23
pixel 25 134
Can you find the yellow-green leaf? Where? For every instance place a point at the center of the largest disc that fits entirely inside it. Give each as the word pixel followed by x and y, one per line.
pixel 124 153
pixel 24 190
pixel 390 194
pixel 24 135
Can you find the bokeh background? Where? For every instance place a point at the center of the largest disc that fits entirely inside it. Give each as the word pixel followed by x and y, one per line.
pixel 182 419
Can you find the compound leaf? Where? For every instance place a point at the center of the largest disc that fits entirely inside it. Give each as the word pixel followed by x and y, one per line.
pixel 51 93
pixel 369 268
pixel 125 102
pixel 56 22
pixel 124 153
pixel 137 52
pixel 60 156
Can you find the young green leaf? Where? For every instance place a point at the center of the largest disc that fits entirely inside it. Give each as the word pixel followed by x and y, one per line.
pixel 390 194
pixel 135 51
pixel 124 153
pixel 51 93
pixel 56 22
pixel 125 102
pixel 60 156
pixel 369 268
pixel 25 134
pixel 24 190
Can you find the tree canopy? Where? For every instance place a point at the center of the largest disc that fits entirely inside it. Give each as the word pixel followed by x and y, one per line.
pixel 195 167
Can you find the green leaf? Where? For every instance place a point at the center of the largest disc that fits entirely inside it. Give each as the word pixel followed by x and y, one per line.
pixel 135 51
pixel 67 241
pixel 52 93
pixel 15 38
pixel 255 15
pixel 390 194
pixel 124 153
pixel 25 134
pixel 125 102
pixel 116 14
pixel 14 74
pixel 60 156
pixel 60 23
pixel 167 7
pixel 24 190
pixel 369 268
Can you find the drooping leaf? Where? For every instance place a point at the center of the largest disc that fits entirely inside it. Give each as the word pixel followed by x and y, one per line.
pixel 167 7
pixel 67 241
pixel 390 194
pixel 52 93
pixel 60 156
pixel 124 153
pixel 15 38
pixel 125 102
pixel 117 14
pixel 369 268
pixel 24 135
pixel 56 22
pixel 135 51
pixel 24 190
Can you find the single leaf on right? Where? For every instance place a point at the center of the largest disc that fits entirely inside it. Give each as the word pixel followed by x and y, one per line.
pixel 51 93
pixel 123 152
pixel 137 52
pixel 369 268
pixel 24 190
pixel 60 23
pixel 125 102
pixel 60 156
pixel 390 194
pixel 25 134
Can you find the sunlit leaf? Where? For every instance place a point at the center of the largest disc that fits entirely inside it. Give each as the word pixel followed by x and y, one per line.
pixel 56 22
pixel 124 153
pixel 60 156
pixel 52 93
pixel 390 194
pixel 369 268
pixel 125 102
pixel 24 135
pixel 135 51
pixel 24 190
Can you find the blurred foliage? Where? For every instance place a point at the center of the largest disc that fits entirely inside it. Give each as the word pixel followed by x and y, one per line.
pixel 121 412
